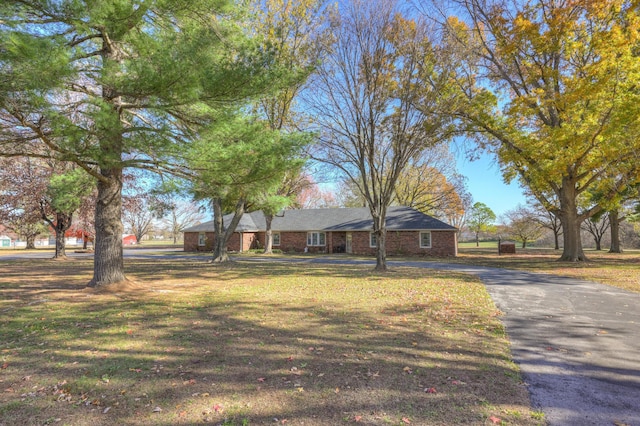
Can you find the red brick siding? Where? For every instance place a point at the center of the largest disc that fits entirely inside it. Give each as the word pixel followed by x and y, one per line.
pixel 250 240
pixel 443 243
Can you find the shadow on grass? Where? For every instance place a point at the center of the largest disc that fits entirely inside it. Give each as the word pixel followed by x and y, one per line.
pixel 252 343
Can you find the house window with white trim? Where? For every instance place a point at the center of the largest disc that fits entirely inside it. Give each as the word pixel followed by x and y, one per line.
pixel 316 239
pixel 373 240
pixel 425 239
pixel 202 238
pixel 275 238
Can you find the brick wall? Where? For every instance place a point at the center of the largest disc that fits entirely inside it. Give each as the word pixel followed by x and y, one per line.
pixel 250 240
pixel 443 243
pixel 401 243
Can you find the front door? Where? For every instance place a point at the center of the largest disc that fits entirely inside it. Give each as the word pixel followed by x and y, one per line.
pixel 348 244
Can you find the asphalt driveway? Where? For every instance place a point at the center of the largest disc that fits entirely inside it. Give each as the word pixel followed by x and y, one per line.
pixel 577 342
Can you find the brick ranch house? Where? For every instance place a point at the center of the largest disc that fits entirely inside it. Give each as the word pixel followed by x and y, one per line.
pixel 337 230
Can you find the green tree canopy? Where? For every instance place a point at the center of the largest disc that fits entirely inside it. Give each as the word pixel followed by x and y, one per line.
pixel 121 83
pixel 550 88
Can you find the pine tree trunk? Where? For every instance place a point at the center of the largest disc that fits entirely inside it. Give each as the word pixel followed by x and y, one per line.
pixel 572 250
pixel 222 236
pixel 268 238
pixel 108 264
pixel 614 222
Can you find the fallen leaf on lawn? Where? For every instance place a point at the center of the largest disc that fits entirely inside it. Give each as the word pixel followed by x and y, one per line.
pixel 337 390
pixel 106 410
pixel 261 379
pixel 357 418
pixel 5 365
pixel 218 408
pixel 495 420
pixel 182 414
pixel 431 390
pixel 407 370
pixel 157 410
pixel 320 374
pixel 406 420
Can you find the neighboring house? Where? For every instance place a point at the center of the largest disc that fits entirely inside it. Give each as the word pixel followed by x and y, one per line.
pixel 129 239
pixel 409 232
pixel 5 241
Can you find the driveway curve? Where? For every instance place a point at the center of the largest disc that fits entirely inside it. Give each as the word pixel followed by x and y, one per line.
pixel 577 342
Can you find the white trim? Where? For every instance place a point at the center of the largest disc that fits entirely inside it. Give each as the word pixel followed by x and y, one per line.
pixel 320 239
pixel 420 239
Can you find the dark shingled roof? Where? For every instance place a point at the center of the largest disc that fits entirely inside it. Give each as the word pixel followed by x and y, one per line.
pixel 399 218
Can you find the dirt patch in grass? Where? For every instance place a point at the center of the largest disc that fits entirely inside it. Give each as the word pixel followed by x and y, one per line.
pixel 191 343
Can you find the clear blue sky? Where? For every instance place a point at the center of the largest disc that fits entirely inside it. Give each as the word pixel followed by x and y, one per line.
pixel 485 183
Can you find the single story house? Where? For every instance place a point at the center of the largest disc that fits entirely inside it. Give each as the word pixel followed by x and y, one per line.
pixel 336 230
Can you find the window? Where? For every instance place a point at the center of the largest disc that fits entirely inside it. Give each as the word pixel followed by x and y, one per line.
pixel 276 238
pixel 202 238
pixel 373 240
pixel 315 239
pixel 425 239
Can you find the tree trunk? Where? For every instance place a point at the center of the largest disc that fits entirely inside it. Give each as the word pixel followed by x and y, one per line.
pixel 380 231
pixel 556 237
pixel 222 236
pixel 477 239
pixel 598 242
pixel 572 250
pixel 62 224
pixel 614 222
pixel 108 264
pixel 268 238
pixel 524 243
pixel 31 242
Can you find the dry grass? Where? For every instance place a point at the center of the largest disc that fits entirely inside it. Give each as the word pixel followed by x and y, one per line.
pixel 617 269
pixel 190 343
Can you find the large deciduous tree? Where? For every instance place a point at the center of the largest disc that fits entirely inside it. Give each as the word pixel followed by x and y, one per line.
pixel 23 182
pixel 117 84
pixel 552 92
pixel 371 102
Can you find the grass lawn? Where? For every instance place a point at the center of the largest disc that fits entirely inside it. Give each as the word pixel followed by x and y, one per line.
pixel 620 270
pixel 190 343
